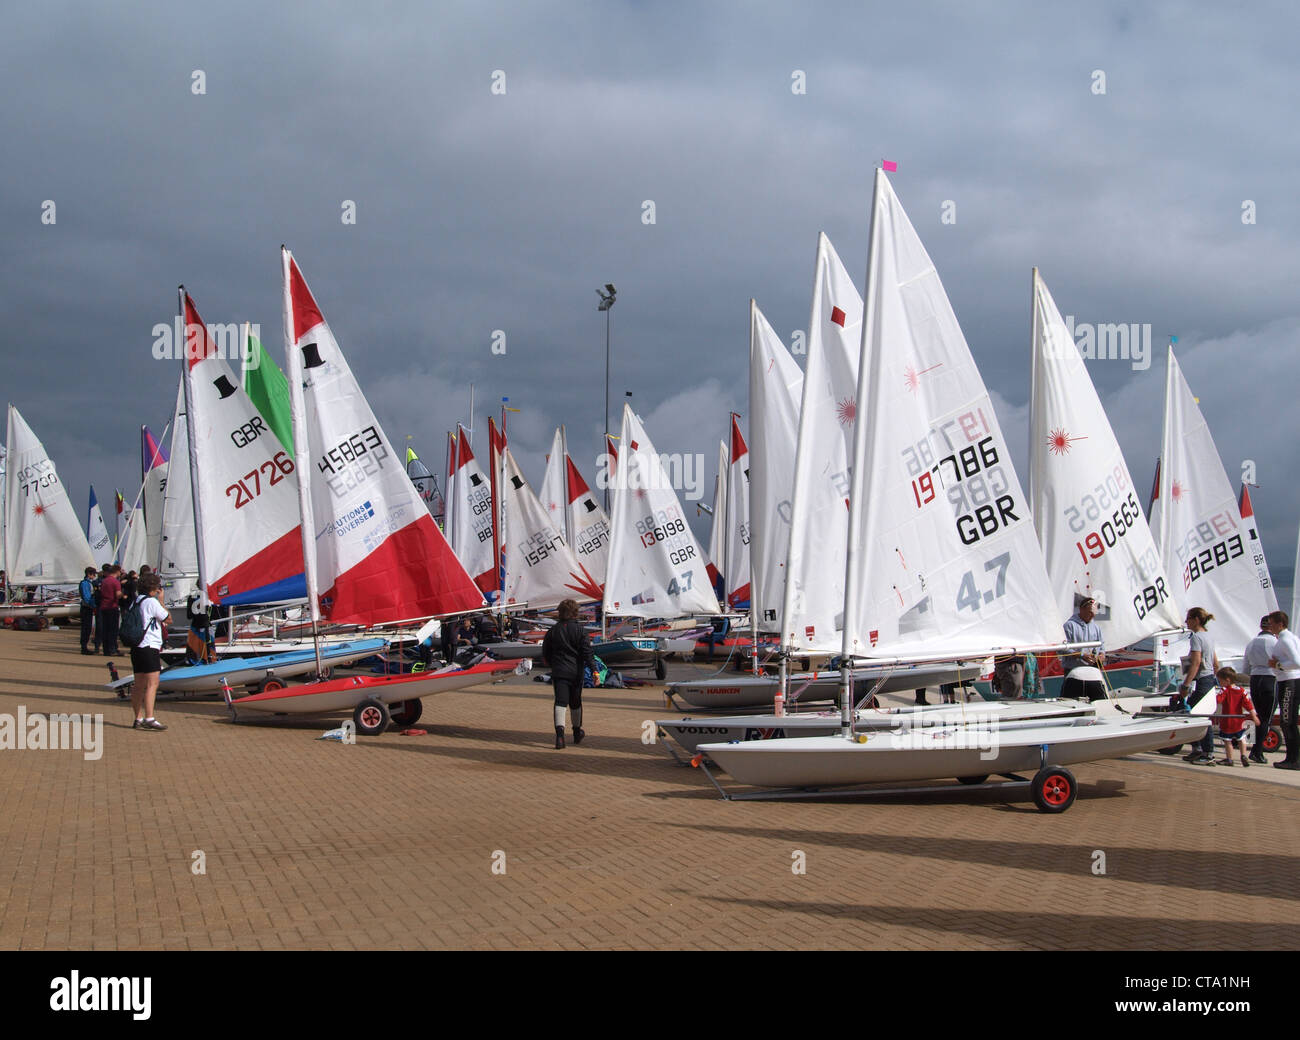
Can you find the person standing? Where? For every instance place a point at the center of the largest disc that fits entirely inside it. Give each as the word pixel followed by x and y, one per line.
pixel 1202 665
pixel 110 597
pixel 146 661
pixel 1263 684
pixel 89 606
pixel 567 650
pixel 1080 628
pixel 1234 707
pixel 1286 667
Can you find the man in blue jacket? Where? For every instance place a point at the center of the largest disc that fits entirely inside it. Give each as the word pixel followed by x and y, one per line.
pixel 88 589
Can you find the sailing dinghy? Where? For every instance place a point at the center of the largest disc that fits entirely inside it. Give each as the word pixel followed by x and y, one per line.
pixel 371 550
pixel 942 554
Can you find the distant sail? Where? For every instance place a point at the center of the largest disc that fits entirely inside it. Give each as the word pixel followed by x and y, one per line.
pixel 813 610
pixel 154 464
pixel 101 547
pixel 44 542
pixel 656 567
pixel 738 581
pixel 588 525
pixel 717 560
pixel 551 494
pixel 775 390
pixel 1087 510
pixel 1247 510
pixel 268 390
pixel 178 564
pixel 1204 543
pixel 472 525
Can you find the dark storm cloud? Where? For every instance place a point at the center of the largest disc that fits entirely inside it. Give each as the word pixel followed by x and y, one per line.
pixel 478 212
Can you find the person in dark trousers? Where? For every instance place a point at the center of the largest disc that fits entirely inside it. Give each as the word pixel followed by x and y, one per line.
pixel 110 598
pixel 89 608
pixel 566 650
pixel 1286 667
pixel 1262 684
pixel 1202 664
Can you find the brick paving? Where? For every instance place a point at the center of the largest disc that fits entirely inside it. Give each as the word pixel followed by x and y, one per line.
pixel 390 843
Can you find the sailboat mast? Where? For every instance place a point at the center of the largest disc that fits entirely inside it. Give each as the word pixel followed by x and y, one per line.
pixel 298 416
pixel 1033 395
pixel 866 378
pixel 192 448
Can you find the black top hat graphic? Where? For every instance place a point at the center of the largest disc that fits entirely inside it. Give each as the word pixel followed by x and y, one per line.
pixel 224 387
pixel 311 356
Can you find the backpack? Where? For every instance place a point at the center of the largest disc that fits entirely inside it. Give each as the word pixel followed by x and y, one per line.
pixel 132 631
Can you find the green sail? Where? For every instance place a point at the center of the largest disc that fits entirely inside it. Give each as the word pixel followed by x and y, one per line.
pixel 269 390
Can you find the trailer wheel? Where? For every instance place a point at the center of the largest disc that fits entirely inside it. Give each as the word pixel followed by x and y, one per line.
pixel 371 717
pixel 661 669
pixel 1054 789
pixel 1173 750
pixel 271 684
pixel 1272 739
pixel 408 712
pixel 972 780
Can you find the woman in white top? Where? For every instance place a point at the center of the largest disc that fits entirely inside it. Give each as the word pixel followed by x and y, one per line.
pixel 146 661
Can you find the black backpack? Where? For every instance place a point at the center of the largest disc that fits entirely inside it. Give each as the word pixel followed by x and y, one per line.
pixel 132 631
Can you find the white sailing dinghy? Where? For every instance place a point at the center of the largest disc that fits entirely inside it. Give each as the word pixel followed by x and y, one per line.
pixel 942 553
pixel 1204 543
pixel 372 552
pixel 43 540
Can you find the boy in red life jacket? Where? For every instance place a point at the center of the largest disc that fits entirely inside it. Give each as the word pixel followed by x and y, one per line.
pixel 1234 707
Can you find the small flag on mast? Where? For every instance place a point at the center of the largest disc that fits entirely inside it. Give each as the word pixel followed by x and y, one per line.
pixel 887 166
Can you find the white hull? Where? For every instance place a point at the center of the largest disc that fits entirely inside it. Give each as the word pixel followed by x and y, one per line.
pixel 942 752
pixel 691 733
pixel 750 691
pixel 48 610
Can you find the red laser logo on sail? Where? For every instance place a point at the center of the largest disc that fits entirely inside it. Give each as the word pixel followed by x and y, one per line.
pixel 912 378
pixel 1058 442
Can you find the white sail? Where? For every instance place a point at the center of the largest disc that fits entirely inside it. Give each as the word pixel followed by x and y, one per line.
pixel 813 610
pixel 942 550
pixel 656 568
pixel 716 564
pixel 130 547
pixel 101 546
pixel 552 494
pixel 44 542
pixel 1090 522
pixel 154 468
pixel 541 569
pixel 1295 584
pixel 245 484
pixel 738 491
pixel 775 388
pixel 471 532
pixel 1256 544
pixel 178 564
pixel 588 524
pixel 1203 542
pixel 375 554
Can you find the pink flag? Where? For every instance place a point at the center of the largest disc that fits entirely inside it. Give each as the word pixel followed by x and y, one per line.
pixel 887 166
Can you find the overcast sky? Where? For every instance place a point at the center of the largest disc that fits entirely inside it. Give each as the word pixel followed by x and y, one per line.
pixel 478 211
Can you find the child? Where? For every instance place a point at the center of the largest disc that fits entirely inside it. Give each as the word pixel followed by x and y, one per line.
pixel 1234 706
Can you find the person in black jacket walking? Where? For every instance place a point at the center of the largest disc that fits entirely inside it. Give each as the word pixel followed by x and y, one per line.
pixel 566 650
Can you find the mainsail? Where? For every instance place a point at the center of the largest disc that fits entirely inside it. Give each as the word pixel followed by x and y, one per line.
pixel 588 525
pixel 1203 542
pixel 375 554
pixel 737 533
pixel 44 542
pixel 552 494
pixel 716 564
pixel 812 612
pixel 154 467
pixel 472 526
pixel 178 564
pixel 1256 544
pixel 101 547
pixel 1090 522
pixel 775 387
pixel 656 567
pixel 540 568
pixel 942 551
pixel 245 488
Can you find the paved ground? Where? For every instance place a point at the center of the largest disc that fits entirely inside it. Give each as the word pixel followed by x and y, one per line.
pixel 390 843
